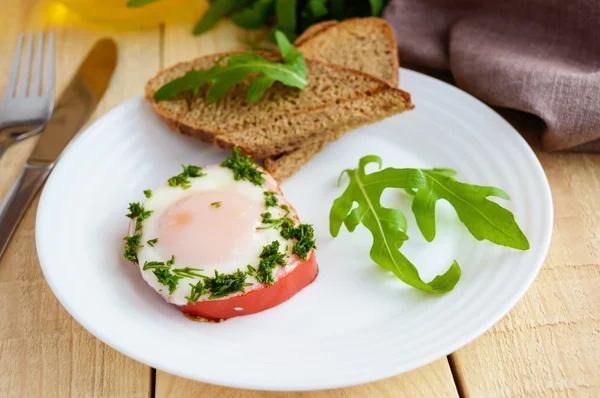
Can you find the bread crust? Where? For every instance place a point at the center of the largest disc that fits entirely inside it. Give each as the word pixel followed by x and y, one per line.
pixel 171 119
pixel 285 165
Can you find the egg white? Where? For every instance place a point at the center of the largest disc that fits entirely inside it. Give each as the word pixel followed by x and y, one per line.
pixel 216 179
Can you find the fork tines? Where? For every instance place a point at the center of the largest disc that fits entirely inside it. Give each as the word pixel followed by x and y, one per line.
pixel 21 86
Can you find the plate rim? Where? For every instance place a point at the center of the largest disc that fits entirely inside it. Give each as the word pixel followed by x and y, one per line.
pixel 525 283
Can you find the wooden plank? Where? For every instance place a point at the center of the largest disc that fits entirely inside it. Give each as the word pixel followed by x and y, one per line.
pixel 433 380
pixel 549 344
pixel 43 351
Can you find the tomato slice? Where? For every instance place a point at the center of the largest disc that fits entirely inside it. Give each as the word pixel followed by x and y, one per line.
pixel 257 300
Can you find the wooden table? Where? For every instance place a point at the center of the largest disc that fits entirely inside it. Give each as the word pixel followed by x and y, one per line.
pixel 548 345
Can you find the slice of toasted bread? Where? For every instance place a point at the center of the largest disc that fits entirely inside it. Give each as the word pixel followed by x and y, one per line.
pixel 313 30
pixel 327 86
pixel 364 44
pixel 291 132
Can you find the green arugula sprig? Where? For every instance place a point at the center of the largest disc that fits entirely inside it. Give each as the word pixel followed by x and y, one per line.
pixel 234 68
pixel 290 16
pixel 482 217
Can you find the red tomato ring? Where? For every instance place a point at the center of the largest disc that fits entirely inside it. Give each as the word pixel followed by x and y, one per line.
pixel 257 300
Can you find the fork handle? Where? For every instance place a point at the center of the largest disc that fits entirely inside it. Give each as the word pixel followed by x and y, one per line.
pixel 30 180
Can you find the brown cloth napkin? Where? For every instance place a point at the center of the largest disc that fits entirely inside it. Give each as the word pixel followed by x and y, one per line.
pixel 537 56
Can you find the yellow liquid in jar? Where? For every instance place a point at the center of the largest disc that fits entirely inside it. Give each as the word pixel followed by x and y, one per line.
pixel 117 14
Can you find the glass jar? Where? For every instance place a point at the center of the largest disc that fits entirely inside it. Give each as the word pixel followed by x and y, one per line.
pixel 117 14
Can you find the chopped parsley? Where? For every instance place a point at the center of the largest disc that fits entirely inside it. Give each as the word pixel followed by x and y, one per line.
pixel 305 234
pixel 197 291
pixel 137 211
pixel 244 168
pixel 187 272
pixel 269 259
pixel 148 193
pixel 216 204
pixel 170 277
pixel 183 179
pixel 152 242
pixel 131 246
pixel 270 199
pixel 222 285
pixel 270 222
pixel 132 243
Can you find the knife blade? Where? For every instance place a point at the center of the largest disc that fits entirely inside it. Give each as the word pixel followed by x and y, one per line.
pixel 74 108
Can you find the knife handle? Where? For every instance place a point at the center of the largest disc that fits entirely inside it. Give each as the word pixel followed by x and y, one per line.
pixel 18 199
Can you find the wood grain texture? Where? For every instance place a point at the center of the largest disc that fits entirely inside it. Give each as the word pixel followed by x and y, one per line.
pixel 433 380
pixel 43 351
pixel 549 344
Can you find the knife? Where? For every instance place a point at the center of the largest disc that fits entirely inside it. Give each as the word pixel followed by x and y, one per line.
pixel 75 106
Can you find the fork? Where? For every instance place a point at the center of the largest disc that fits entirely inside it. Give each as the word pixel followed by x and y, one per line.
pixel 27 103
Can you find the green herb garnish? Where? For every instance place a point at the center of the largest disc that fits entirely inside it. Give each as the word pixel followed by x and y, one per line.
pixel 152 242
pixel 483 218
pixel 234 68
pixel 222 285
pixel 216 204
pixel 170 277
pixel 254 15
pixel 132 243
pixel 270 199
pixel 197 291
pixel 244 168
pixel 291 16
pixel 187 272
pixel 137 211
pixel 148 193
pixel 275 223
pixel 269 259
pixel 305 234
pixel 218 9
pixel 183 179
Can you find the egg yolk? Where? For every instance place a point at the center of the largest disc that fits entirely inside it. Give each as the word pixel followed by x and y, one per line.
pixel 208 227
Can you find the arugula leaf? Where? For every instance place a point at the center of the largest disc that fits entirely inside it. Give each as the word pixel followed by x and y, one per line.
pixel 290 54
pixel 318 8
pixel 255 15
pixel 285 15
pixel 483 218
pixel 139 3
pixel 388 226
pixel 376 7
pixel 314 11
pixel 218 9
pixel 239 66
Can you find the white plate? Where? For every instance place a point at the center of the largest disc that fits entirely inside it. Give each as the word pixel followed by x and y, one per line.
pixel 356 323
